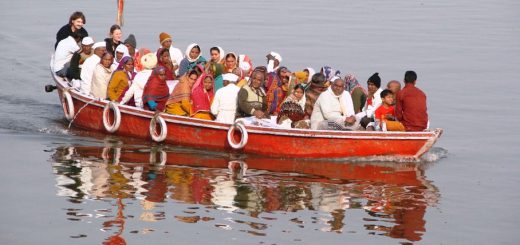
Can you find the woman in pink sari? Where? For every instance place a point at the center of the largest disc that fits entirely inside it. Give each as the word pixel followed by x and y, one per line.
pixel 201 96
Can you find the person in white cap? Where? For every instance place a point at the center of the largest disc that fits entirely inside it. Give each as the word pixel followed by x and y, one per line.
pixel 88 66
pixel 224 104
pixel 79 57
pixel 64 52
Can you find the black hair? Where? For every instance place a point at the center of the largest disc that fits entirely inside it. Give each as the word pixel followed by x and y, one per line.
pixel 214 49
pixel 385 93
pixel 410 77
pixel 375 79
pixel 77 35
pixel 318 78
pixel 230 54
pixel 197 47
pixel 77 15
pixel 299 86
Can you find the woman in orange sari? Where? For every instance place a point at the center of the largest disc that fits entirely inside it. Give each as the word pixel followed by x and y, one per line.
pixel 179 102
pixel 201 96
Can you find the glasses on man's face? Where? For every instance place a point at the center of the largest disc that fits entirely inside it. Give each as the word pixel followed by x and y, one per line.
pixel 162 74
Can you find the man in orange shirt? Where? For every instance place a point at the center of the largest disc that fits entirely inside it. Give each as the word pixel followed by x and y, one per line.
pixel 411 108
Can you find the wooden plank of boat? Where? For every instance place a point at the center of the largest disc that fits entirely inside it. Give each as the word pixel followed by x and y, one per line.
pixel 88 113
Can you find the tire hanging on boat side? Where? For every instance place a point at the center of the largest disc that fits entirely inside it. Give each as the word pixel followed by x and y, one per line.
pixel 153 132
pixel 243 134
pixel 111 128
pixel 67 105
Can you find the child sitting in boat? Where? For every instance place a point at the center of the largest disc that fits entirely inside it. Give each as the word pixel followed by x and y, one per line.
pixel 385 114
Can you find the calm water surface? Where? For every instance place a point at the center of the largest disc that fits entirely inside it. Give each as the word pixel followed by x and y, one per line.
pixel 61 185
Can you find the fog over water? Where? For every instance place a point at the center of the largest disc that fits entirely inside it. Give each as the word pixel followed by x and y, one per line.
pixel 72 186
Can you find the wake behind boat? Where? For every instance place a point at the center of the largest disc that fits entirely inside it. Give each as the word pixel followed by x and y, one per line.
pixel 111 118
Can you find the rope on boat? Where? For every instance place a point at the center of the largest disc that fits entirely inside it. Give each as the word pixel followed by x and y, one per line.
pixel 74 118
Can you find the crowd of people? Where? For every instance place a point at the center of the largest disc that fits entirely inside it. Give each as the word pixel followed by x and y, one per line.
pixel 227 87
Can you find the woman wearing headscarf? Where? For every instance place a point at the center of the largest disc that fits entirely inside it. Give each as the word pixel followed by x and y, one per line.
pixel 252 97
pixel 216 71
pixel 179 101
pixel 192 59
pixel 121 79
pixel 156 92
pixel 293 109
pixel 230 62
pixel 357 92
pixel 164 60
pixel 121 51
pixel 279 90
pixel 304 76
pixel 214 67
pixel 201 96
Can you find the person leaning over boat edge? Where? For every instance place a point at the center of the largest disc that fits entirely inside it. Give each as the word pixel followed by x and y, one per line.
pixel 411 109
pixel 252 97
pixel 75 25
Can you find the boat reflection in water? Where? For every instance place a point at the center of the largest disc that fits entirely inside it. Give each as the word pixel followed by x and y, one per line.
pixel 387 199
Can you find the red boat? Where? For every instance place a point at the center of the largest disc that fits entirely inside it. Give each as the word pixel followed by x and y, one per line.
pixel 109 117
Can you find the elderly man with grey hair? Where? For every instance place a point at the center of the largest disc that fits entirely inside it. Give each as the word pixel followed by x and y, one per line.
pixel 334 109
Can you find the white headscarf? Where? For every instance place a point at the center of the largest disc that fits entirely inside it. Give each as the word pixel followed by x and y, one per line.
pixel 188 50
pixel 121 48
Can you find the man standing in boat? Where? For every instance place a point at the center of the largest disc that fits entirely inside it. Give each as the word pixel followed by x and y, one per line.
pixel 411 108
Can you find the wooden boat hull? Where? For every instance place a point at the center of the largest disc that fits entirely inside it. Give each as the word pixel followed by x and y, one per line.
pixel 274 142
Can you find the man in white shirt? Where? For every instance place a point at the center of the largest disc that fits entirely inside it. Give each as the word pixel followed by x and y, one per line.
pixel 87 70
pixel 334 109
pixel 64 51
pixel 224 104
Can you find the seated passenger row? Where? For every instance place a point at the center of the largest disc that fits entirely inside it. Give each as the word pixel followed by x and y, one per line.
pixel 226 87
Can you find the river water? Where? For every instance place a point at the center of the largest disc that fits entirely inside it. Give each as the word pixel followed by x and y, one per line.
pixel 61 185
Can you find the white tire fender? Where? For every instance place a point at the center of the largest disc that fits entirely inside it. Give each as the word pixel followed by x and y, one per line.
pixel 68 105
pixel 111 106
pixel 243 138
pixel 158 137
